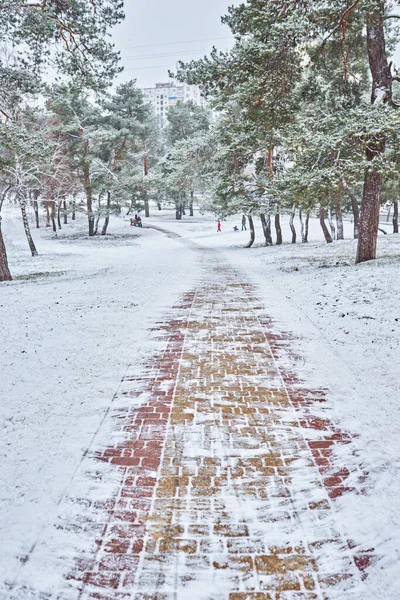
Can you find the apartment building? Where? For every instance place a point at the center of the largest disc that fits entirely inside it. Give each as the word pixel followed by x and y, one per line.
pixel 165 95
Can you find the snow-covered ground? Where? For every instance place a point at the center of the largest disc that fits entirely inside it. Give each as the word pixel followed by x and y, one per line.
pixel 78 315
pixel 72 322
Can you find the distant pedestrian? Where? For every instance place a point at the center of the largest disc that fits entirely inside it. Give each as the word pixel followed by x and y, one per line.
pixel 244 228
pixel 218 226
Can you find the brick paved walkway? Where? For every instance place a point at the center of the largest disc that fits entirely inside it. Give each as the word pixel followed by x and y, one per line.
pixel 227 479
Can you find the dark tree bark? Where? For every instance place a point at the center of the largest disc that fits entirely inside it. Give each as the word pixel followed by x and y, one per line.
pixel 28 234
pixel 65 212
pixel 396 217
pixel 278 229
pixel 89 196
pixel 159 205
pixel 53 217
pixel 304 226
pixel 291 224
pixel 178 212
pixel 73 216
pixel 5 274
pixel 47 207
pixel 381 92
pixel 59 214
pixel 107 219
pixel 266 225
pixel 331 225
pixel 327 235
pixel 191 213
pixel 183 211
pixel 36 208
pixel 355 209
pixel 252 232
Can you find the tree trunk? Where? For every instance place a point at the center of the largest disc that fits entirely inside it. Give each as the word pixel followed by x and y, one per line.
pixel 381 92
pixel 73 216
pixel 5 274
pixel 146 206
pixel 53 217
pixel 159 205
pixel 47 214
pixel 266 225
pixel 327 235
pixel 355 209
pixel 178 212
pixel 183 209
pixel 304 226
pixel 291 224
pixel 339 218
pixel 65 212
pixel 59 215
pixel 396 217
pixel 331 225
pixel 28 234
pixel 191 213
pixel 278 229
pixel 252 232
pixel 107 219
pixel 36 209
pixel 89 196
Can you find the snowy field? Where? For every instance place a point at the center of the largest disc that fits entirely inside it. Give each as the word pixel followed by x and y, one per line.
pixel 77 316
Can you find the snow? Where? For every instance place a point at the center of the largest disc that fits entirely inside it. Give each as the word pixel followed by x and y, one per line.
pixel 68 337
pixel 76 317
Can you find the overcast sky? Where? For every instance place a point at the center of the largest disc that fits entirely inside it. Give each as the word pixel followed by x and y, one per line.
pixel 157 33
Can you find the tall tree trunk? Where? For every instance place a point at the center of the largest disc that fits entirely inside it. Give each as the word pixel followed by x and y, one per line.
pixel 304 226
pixel 53 216
pixel 5 274
pixel 339 217
pixel 396 217
pixel 65 212
pixel 59 214
pixel 191 213
pixel 87 184
pixel 327 235
pixel 107 219
pixel 178 211
pixel 159 205
pixel 291 223
pixel 252 232
pixel 331 225
pixel 36 208
pixel 266 225
pixel 73 216
pixel 28 234
pixel 47 207
pixel 355 209
pixel 96 226
pixel 381 92
pixel 183 211
pixel 278 229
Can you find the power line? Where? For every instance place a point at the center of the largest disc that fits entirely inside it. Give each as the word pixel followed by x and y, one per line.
pixel 177 43
pixel 177 53
pixel 154 67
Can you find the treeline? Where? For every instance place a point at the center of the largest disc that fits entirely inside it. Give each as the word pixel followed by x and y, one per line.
pixel 308 119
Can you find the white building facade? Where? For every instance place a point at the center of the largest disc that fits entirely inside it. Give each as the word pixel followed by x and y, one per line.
pixel 165 95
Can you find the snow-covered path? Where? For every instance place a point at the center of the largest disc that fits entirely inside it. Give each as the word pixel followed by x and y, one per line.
pixel 228 464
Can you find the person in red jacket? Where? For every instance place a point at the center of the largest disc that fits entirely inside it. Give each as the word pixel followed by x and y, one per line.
pixel 219 226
